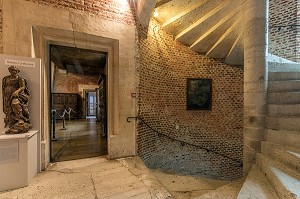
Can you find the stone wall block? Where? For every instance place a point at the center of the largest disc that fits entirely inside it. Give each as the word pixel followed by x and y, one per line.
pixel 256 86
pixel 254 133
pixel 254 121
pixel 254 52
pixel 252 143
pixel 256 9
pixel 255 98
pixel 255 109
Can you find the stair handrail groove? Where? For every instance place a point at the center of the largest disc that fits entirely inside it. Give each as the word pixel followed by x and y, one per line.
pixel 138 118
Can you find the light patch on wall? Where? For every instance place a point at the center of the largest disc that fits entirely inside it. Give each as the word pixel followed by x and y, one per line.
pixel 123 6
pixel 62 72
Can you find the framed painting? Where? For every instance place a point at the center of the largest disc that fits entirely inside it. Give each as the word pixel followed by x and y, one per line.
pixel 199 95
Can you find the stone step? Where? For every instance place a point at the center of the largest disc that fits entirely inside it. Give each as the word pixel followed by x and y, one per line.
pixel 284 110
pixel 229 191
pixel 283 86
pixel 256 186
pixel 284 180
pixel 284 98
pixel 283 123
pixel 283 76
pixel 280 64
pixel 287 155
pixel 284 137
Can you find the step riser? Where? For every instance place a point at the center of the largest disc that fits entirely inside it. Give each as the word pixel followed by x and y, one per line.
pixel 286 138
pixel 283 123
pixel 284 110
pixel 281 154
pixel 284 98
pixel 267 167
pixel 256 186
pixel 280 86
pixel 282 76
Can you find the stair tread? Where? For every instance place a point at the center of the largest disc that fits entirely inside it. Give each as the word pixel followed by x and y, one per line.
pixel 256 186
pixel 290 156
pixel 281 92
pixel 284 147
pixel 290 183
pixel 283 122
pixel 284 117
pixel 284 137
pixel 279 165
pixel 229 191
pixel 285 180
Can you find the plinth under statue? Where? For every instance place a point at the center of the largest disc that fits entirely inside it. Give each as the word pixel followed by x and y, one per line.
pixel 15 102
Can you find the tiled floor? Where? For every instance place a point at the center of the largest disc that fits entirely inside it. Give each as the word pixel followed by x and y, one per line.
pixel 81 139
pixel 93 178
pixel 99 178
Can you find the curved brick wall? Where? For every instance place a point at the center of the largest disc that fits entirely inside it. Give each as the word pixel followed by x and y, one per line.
pixel 164 67
pixel 283 42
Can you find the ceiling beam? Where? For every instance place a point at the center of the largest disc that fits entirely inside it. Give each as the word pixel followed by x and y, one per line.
pixel 145 9
pixel 228 31
pixel 192 7
pixel 222 21
pixel 232 57
pixel 202 19
pixel 161 3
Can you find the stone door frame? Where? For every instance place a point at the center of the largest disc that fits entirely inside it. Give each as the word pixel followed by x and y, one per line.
pixel 42 38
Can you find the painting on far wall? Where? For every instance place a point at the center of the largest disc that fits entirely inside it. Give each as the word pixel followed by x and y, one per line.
pixel 199 95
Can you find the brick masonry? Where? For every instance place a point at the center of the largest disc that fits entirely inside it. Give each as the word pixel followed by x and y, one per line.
pixel 284 41
pixel 165 66
pixel 70 83
pixel 112 10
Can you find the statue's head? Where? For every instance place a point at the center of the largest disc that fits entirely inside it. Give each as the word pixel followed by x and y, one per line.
pixel 13 68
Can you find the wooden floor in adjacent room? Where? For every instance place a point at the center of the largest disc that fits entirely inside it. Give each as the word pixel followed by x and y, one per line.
pixel 81 139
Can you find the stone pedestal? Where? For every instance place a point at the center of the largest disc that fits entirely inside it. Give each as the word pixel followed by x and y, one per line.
pixel 18 159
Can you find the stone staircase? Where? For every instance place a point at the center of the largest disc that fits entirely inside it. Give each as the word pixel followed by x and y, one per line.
pixel 277 170
pixel 276 173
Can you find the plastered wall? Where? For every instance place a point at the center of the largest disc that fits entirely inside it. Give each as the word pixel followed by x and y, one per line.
pixel 115 22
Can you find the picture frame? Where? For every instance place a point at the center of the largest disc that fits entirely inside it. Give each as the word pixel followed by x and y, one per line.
pixel 199 94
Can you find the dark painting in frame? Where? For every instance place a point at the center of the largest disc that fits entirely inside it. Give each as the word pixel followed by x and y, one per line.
pixel 199 95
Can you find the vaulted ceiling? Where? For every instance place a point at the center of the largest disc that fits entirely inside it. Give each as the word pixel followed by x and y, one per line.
pixel 210 27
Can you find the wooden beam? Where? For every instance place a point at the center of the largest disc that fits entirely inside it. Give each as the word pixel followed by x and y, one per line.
pixel 202 19
pixel 162 2
pixel 145 9
pixel 192 7
pixel 222 21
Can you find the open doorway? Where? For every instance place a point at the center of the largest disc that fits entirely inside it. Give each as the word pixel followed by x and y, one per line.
pixel 91 104
pixel 75 77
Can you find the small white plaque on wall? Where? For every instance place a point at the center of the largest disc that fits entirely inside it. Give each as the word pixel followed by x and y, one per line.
pixel 9 152
pixel 10 62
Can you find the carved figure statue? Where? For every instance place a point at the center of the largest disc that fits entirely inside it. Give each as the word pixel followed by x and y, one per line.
pixel 15 102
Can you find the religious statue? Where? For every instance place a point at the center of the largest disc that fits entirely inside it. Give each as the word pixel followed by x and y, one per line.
pixel 15 102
